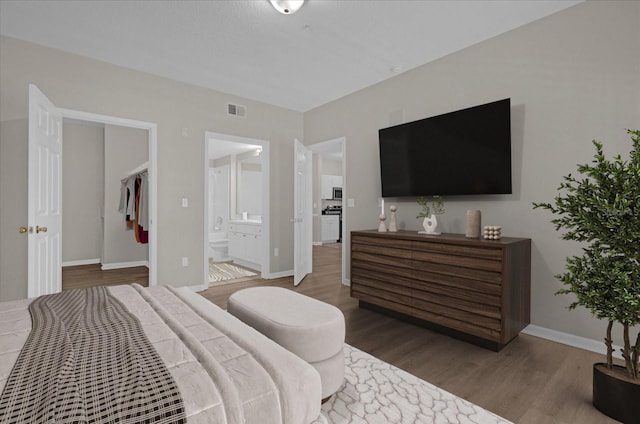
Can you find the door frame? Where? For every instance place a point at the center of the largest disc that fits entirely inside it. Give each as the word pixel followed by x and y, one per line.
pixel 152 129
pixel 318 148
pixel 265 271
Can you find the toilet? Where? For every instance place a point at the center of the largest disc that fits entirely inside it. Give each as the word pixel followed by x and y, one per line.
pixel 218 246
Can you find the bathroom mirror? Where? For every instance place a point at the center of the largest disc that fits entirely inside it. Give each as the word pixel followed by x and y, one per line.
pixel 249 185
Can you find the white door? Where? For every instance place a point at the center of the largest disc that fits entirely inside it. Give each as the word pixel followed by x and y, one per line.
pixel 44 196
pixel 302 220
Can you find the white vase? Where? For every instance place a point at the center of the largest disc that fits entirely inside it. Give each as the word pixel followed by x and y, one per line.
pixel 430 225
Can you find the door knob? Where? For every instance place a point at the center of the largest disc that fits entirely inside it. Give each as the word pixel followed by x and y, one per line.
pixel 41 229
pixel 23 230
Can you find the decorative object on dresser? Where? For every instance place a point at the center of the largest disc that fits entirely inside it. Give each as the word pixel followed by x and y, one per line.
pixel 430 207
pixel 430 224
pixel 382 227
pixel 474 217
pixel 492 232
pixel 393 221
pixel 477 290
pixel 600 209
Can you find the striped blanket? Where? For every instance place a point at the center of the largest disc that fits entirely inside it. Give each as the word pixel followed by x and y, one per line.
pixel 226 371
pixel 87 359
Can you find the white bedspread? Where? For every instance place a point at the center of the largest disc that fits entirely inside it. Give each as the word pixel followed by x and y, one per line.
pixel 226 371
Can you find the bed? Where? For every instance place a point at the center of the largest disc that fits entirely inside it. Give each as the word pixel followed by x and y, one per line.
pixel 225 371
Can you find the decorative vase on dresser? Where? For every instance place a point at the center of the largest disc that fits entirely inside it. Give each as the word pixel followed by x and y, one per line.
pixel 430 225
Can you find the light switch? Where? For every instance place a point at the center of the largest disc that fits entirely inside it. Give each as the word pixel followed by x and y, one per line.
pixel 350 203
pixel 185 202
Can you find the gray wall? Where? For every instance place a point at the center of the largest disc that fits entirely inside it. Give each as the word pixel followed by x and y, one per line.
pixel 571 77
pixel 79 83
pixel 82 192
pixel 13 195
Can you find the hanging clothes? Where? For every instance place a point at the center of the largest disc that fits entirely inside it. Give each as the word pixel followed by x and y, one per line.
pixel 144 199
pixel 127 196
pixel 133 205
pixel 142 236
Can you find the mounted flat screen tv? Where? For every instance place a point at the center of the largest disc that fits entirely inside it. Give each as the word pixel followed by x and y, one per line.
pixel 458 153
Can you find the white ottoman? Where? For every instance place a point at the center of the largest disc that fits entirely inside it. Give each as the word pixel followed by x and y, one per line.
pixel 307 327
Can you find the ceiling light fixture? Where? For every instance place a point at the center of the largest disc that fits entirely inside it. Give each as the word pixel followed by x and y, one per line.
pixel 287 7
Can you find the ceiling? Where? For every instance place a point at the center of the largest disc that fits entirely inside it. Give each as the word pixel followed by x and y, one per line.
pixel 328 49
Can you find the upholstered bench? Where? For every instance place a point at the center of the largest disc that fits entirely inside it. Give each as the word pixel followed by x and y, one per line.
pixel 307 327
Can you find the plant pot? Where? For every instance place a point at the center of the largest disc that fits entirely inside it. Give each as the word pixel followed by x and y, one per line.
pixel 616 397
pixel 430 225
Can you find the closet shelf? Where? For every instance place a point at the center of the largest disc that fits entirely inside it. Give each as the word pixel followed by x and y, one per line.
pixel 141 168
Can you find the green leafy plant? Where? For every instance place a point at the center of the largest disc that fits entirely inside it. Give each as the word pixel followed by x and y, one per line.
pixel 601 209
pixel 430 205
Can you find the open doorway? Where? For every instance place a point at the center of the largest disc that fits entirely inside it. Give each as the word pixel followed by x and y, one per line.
pixel 236 215
pixel 117 256
pixel 329 202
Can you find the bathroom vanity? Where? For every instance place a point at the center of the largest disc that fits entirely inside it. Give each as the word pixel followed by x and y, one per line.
pixel 245 243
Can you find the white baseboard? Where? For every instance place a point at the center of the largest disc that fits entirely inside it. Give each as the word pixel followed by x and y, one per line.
pixel 571 340
pixel 119 265
pixel 316 243
pixel 81 262
pixel 251 265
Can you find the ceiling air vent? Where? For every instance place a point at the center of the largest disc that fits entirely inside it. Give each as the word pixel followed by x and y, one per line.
pixel 235 110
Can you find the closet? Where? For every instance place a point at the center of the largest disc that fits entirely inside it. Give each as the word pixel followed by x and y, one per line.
pixel 96 159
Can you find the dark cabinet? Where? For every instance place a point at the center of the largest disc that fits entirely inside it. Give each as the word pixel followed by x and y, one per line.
pixel 475 289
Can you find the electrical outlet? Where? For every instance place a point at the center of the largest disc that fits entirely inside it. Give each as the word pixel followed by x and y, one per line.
pixel 185 261
pixel 276 251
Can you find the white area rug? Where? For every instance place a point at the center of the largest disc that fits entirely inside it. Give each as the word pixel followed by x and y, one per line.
pixel 376 392
pixel 224 271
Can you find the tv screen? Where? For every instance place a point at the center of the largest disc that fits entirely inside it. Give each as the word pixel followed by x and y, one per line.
pixel 458 153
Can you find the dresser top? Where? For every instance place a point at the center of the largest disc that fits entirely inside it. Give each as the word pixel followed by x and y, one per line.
pixel 443 238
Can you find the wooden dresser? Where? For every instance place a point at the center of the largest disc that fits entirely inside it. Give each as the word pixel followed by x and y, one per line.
pixel 474 289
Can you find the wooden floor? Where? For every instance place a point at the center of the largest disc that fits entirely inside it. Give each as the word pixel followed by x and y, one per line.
pixel 531 381
pixel 82 276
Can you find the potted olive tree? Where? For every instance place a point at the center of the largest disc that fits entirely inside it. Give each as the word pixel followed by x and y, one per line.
pixel 601 209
